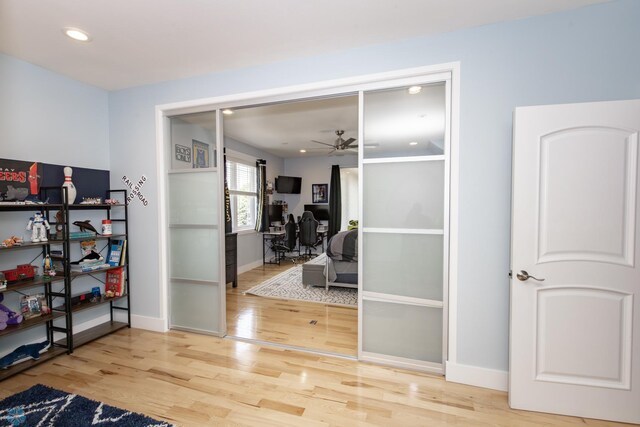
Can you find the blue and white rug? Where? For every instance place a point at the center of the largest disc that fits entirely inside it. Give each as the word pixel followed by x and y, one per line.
pixel 42 406
pixel 288 285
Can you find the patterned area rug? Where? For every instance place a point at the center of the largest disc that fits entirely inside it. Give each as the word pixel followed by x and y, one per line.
pixel 288 285
pixel 44 406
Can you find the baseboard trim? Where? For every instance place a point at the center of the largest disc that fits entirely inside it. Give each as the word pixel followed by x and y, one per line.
pixel 155 324
pixel 250 266
pixel 476 376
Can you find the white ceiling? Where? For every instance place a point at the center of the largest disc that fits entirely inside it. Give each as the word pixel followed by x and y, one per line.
pixel 393 119
pixel 139 42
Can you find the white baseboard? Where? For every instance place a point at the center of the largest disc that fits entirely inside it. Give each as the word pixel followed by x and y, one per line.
pixel 476 376
pixel 155 324
pixel 250 266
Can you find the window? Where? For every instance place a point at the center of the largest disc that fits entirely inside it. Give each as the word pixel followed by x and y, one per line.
pixel 243 192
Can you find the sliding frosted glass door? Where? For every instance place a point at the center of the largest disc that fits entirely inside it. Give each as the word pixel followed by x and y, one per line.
pixel 404 225
pixel 194 225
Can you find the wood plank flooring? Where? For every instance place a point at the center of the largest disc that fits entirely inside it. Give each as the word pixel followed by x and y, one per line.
pixel 198 380
pixel 289 322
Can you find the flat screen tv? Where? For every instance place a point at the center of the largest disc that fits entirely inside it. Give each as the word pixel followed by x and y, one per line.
pixel 320 212
pixel 288 184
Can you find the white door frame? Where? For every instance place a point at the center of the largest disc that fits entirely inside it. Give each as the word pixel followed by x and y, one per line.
pixel 403 77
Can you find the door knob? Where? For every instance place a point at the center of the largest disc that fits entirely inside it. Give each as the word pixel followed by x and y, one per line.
pixel 523 275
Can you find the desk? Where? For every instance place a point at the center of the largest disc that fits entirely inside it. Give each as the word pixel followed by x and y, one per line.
pixel 270 236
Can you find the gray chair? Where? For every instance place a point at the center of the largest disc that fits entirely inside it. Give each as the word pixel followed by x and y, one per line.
pixel 309 237
pixel 288 244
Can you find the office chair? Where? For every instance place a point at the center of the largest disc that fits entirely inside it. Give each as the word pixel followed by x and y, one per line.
pixel 288 244
pixel 309 233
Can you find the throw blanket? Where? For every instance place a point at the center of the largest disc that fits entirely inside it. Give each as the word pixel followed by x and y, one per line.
pixel 344 246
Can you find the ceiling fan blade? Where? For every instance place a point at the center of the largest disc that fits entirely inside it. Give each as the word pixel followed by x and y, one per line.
pixel 348 142
pixel 323 143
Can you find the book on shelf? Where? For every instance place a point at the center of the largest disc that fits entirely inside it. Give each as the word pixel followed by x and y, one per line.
pixel 86 267
pixel 117 252
pixel 81 234
pixel 114 283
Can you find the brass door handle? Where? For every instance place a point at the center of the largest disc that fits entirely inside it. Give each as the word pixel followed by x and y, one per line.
pixel 523 275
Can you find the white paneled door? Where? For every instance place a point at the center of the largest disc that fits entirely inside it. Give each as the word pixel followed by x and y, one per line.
pixel 575 290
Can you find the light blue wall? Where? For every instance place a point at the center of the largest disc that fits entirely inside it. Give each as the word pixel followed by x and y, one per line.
pixel 583 55
pixel 50 118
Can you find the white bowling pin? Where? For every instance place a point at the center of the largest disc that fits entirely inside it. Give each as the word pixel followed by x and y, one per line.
pixel 71 189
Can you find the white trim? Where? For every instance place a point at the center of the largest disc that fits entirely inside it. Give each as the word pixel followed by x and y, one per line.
pixel 163 129
pixel 403 230
pixel 438 72
pixel 250 266
pixel 193 281
pixel 222 239
pixel 198 226
pixel 398 299
pixel 438 158
pixel 191 170
pixel 402 362
pixel 155 324
pixel 245 231
pixel 476 376
pixel 454 192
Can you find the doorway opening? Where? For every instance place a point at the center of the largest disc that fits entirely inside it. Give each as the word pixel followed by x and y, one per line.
pixel 405 180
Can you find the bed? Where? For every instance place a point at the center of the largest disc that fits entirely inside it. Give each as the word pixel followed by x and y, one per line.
pixel 338 266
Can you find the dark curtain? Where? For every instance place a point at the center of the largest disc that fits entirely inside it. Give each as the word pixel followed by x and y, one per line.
pixel 335 202
pixel 228 223
pixel 262 219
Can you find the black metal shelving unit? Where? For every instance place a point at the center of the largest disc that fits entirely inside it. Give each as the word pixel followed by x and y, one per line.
pixel 61 335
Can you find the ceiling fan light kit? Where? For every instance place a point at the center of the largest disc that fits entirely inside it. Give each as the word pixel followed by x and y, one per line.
pixel 340 144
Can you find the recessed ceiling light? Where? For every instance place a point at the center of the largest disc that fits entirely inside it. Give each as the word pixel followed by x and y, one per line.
pixel 370 145
pixel 227 111
pixel 414 89
pixel 413 143
pixel 77 34
pixel 303 151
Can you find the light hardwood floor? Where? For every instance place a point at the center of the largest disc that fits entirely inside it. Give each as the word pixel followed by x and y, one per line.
pixel 289 322
pixel 198 380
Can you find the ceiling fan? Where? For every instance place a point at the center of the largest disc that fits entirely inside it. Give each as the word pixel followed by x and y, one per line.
pixel 340 144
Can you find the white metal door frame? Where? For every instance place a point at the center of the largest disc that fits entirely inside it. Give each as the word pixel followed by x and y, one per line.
pixel 448 72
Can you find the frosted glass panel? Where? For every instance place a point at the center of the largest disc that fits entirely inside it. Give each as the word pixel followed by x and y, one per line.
pixel 404 195
pixel 194 254
pixel 194 306
pixel 398 123
pixel 403 264
pixel 194 198
pixel 402 330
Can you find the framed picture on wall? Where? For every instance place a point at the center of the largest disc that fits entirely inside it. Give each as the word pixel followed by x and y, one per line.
pixel 183 154
pixel 319 193
pixel 200 154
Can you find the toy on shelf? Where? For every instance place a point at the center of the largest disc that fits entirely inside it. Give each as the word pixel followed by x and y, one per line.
pixel 24 353
pixel 34 306
pixel 91 201
pixel 38 225
pixel 112 201
pixel 85 226
pixel 11 241
pixel 3 281
pixel 71 189
pixel 48 268
pixel 7 316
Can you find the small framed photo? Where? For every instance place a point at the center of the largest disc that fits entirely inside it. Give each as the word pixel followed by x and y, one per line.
pixel 183 154
pixel 200 154
pixel 319 193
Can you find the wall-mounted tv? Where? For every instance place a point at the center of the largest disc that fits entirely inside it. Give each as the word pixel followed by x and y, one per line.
pixel 288 184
